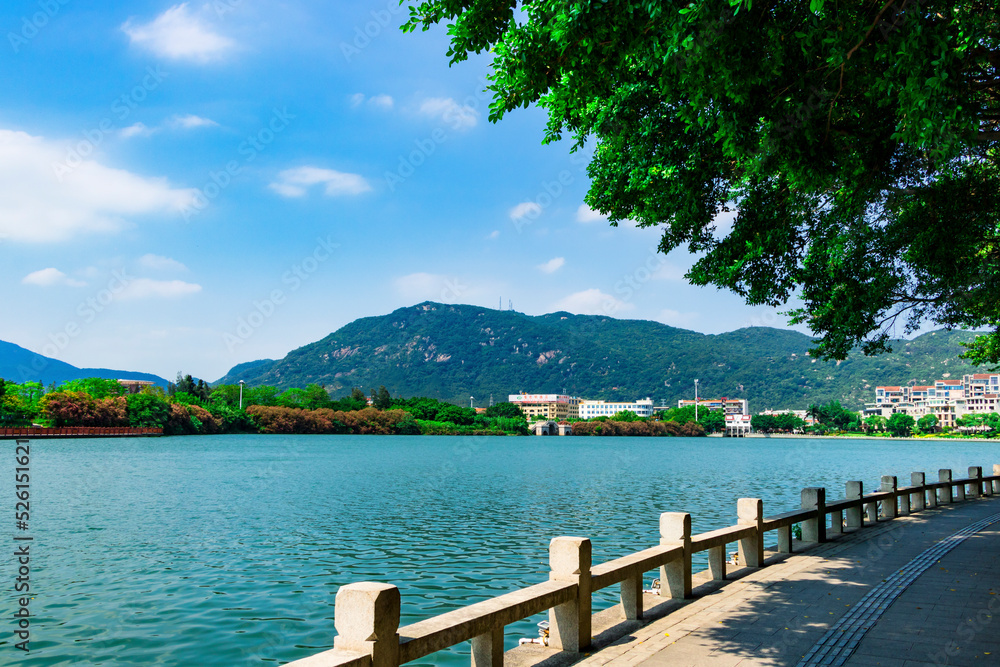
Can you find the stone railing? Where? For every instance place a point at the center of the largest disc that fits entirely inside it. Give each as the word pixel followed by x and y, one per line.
pixel 366 615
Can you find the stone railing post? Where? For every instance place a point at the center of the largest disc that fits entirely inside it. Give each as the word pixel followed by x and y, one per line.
pixel 569 623
pixel 944 493
pixel 784 539
pixel 814 530
pixel 890 484
pixel 996 482
pixel 487 649
pixel 932 496
pixel 675 576
pixel 918 497
pixel 717 562
pixel 366 615
pixel 976 487
pixel 871 512
pixel 750 512
pixel 855 516
pixel 836 523
pixel 631 596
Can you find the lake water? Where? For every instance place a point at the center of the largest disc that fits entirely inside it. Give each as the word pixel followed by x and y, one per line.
pixel 228 550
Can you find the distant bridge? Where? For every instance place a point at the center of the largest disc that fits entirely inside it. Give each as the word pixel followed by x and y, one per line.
pixel 551 428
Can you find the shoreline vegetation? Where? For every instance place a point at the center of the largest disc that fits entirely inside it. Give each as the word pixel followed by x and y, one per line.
pixel 189 407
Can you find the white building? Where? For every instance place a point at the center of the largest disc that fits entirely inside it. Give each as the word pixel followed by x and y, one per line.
pixel 738 426
pixel 591 409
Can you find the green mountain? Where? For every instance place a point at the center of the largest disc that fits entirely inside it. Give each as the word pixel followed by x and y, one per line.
pixel 453 352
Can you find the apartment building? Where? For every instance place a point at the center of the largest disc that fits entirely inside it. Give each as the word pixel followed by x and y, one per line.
pixel 891 395
pixel 946 399
pixel 980 384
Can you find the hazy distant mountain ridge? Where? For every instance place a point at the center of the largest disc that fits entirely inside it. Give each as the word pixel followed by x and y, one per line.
pixel 20 365
pixel 453 352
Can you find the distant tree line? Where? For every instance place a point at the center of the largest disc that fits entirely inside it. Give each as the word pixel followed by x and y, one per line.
pixel 672 422
pixel 190 406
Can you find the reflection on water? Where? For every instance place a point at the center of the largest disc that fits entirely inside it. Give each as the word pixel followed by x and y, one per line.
pixel 229 550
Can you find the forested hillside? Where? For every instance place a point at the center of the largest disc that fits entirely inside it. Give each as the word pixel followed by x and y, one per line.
pixel 453 352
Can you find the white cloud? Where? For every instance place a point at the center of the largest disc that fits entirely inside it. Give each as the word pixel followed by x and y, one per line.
pixel 676 318
pixel 147 288
pixel 586 215
pixel 50 277
pixel 179 35
pixel 458 116
pixel 494 235
pixel 593 302
pixel 45 196
pixel 382 101
pixel 528 209
pixel 190 121
pixel 44 277
pixel 159 263
pixel 136 130
pixel 187 122
pixel 295 182
pixel 552 265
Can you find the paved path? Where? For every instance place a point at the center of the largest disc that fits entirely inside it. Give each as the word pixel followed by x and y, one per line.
pixel 888 601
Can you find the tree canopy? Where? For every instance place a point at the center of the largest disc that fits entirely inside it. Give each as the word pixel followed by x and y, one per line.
pixel 784 421
pixel 506 409
pixel 900 425
pixel 856 143
pixel 927 423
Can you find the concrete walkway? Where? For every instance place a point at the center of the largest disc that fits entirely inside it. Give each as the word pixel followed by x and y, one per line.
pixel 941 609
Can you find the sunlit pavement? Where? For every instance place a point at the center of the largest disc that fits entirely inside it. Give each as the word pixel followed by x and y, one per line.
pixel 948 614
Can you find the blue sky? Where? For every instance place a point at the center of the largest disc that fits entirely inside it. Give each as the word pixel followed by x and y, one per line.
pixel 184 187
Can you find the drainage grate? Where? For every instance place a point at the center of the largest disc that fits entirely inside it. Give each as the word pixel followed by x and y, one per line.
pixel 837 645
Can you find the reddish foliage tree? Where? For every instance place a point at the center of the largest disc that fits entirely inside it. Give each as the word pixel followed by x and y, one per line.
pixel 273 419
pixel 68 408
pixel 638 428
pixel 111 411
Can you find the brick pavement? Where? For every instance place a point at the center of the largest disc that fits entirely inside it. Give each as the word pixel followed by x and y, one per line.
pixel 948 615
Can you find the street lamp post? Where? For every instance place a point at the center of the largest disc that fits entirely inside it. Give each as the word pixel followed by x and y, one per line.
pixel 241 394
pixel 696 399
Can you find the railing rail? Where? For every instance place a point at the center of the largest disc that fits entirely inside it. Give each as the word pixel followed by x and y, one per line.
pixel 77 432
pixel 366 614
pixel 480 619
